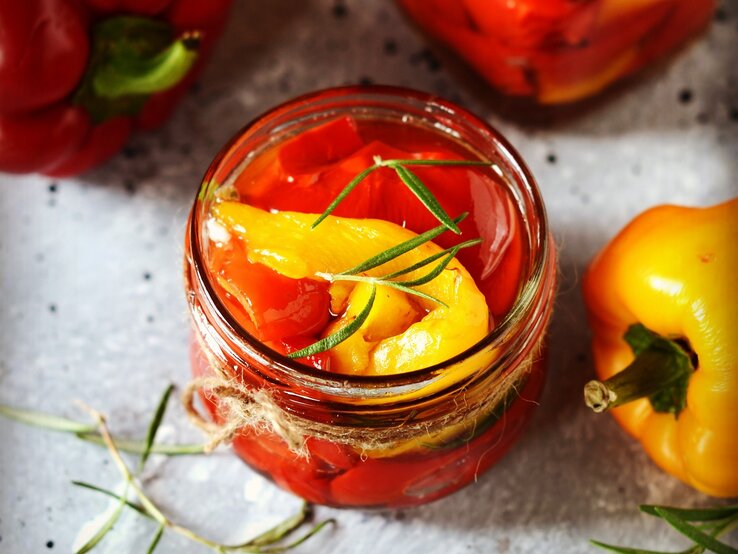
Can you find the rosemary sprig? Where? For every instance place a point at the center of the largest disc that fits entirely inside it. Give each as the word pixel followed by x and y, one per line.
pixel 111 494
pixel 89 433
pixel 411 181
pixel 154 426
pixel 418 188
pixel 378 281
pixel 435 272
pixel 155 512
pixel 46 421
pixel 261 544
pixel 433 258
pixel 281 530
pixel 406 286
pixel 712 524
pixel 414 184
pixel 400 249
pixel 137 447
pixel 106 527
pixel 155 540
pixel 267 538
pixel 342 334
pixel 386 281
pixel 266 543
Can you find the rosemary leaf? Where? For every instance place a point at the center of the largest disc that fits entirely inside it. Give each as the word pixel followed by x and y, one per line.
pixel 400 249
pixel 419 189
pixel 89 433
pixel 435 272
pixel 154 425
pixel 105 527
pixel 315 530
pixel 281 530
pixel 341 335
pixel 409 290
pixel 431 259
pixel 156 539
pixel 381 282
pixel 112 494
pixel 137 447
pixel 125 472
pixel 699 537
pixel 625 549
pixel 46 421
pixel 394 164
pixel 705 514
pixel 343 194
pixel 207 190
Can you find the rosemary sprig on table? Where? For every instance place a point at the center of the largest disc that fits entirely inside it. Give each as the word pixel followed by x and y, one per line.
pixel 99 433
pixel 421 191
pixel 711 523
pixel 89 433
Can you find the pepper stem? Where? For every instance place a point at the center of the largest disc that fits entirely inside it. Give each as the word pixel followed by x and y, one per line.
pixel 131 58
pixel 660 371
pixel 148 75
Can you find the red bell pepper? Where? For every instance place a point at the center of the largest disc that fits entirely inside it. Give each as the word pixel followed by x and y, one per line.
pixel 78 76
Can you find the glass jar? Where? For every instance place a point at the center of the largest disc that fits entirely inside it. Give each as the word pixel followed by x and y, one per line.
pixel 372 441
pixel 557 51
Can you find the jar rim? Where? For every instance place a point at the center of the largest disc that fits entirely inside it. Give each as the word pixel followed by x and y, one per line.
pixel 523 301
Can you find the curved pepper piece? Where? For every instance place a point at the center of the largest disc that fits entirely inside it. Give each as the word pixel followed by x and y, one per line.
pixel 122 64
pixel 673 270
pixel 285 242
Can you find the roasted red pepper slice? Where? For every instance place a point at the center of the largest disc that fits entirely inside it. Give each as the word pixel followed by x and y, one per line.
pixel 300 160
pixel 291 344
pixel 326 143
pixel 382 195
pixel 276 305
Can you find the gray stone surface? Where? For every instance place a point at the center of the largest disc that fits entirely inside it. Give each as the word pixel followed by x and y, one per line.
pixel 91 305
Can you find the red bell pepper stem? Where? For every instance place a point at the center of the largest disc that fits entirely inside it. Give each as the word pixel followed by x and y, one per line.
pixel 148 76
pixel 133 58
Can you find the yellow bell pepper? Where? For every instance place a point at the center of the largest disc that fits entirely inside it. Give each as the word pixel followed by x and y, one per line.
pixel 662 299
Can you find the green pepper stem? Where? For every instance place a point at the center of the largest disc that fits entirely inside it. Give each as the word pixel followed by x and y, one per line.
pixel 131 58
pixel 148 75
pixel 652 371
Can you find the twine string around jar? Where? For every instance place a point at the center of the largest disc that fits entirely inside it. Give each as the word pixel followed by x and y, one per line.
pixel 241 407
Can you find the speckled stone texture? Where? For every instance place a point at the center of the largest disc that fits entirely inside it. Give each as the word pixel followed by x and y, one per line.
pixel 91 303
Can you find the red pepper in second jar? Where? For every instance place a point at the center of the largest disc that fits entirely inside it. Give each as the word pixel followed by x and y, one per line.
pixel 557 51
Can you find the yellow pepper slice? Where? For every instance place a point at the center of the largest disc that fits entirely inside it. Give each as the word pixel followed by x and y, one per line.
pixel 389 341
